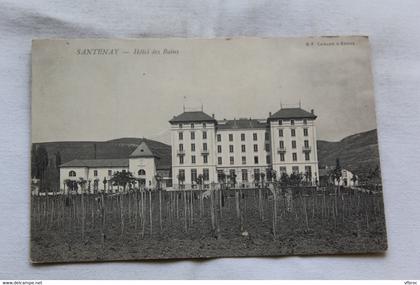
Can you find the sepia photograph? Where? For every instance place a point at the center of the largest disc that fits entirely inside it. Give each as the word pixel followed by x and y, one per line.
pixel 203 148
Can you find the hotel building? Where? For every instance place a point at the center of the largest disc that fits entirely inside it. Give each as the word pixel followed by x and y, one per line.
pixel 243 150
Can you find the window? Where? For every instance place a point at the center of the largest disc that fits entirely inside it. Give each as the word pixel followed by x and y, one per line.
pixel 110 172
pixel 192 125
pixel 232 175
pixel 181 175
pixel 282 170
pixel 95 173
pixel 244 175
pixel 280 122
pixel 204 125
pixel 280 132
pixel 204 146
pixel 206 174
pixel 242 137
pixel 294 156
pixel 243 148
pixel 256 174
pixel 193 147
pixel 256 159
pixel 254 136
pixel 219 137
pixel 219 160
pixel 293 132
pixel 193 159
pixel 72 173
pixel 141 172
pixel 230 148
pixel 193 175
pixel 204 135
pixel 230 137
pixel 306 143
pixel 180 136
pixel 305 132
pixel 181 146
pixel 181 159
pixel 243 159
pixel 307 156
pixel 232 160
pixel 220 175
pixel 192 135
pixel 293 144
pixel 308 172
pixel 267 159
pixel 255 147
pixel 205 158
pixel 281 143
pixel 305 122
pixel 219 148
pixel 180 126
pixel 267 136
pixel 295 169
pixel 292 122
pixel 282 156
pixel 267 147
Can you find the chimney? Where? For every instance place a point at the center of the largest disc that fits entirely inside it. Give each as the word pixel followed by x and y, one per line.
pixel 212 115
pixel 269 114
pixel 312 111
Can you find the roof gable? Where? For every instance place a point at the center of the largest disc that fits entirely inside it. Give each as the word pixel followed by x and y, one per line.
pixel 192 116
pixel 292 113
pixel 241 124
pixel 142 151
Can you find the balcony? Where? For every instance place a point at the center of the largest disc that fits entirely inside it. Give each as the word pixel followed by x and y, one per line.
pixel 204 151
pixel 281 149
pixel 180 152
pixel 306 148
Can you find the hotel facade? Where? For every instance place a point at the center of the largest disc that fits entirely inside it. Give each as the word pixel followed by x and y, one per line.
pixel 243 151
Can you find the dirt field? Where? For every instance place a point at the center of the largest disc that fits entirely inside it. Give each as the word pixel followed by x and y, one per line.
pixel 317 224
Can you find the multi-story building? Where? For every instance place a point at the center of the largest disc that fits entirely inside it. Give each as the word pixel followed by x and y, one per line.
pixel 243 150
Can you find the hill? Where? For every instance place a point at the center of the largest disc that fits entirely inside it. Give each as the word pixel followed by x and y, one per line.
pixel 118 148
pixel 358 153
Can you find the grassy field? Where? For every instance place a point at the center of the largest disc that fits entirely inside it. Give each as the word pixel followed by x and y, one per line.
pixel 251 222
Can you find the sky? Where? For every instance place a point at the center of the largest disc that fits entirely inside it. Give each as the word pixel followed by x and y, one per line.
pixel 132 92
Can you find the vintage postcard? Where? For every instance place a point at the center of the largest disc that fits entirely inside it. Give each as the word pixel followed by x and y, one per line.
pixel 199 148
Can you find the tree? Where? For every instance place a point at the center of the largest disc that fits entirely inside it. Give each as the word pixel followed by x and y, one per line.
pixel 181 178
pixel 284 179
pixel 199 180
pixel 57 159
pixel 40 164
pixel 104 182
pixel 337 171
pixel 122 178
pixel 158 181
pixel 295 179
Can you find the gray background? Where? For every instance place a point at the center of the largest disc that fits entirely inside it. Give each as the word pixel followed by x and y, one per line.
pixel 393 27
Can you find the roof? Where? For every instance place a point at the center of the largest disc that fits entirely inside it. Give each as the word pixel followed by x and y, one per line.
pixel 96 163
pixel 142 151
pixel 241 124
pixel 192 116
pixel 292 113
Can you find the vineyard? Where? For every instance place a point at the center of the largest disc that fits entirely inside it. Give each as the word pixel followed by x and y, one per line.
pixel 140 224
